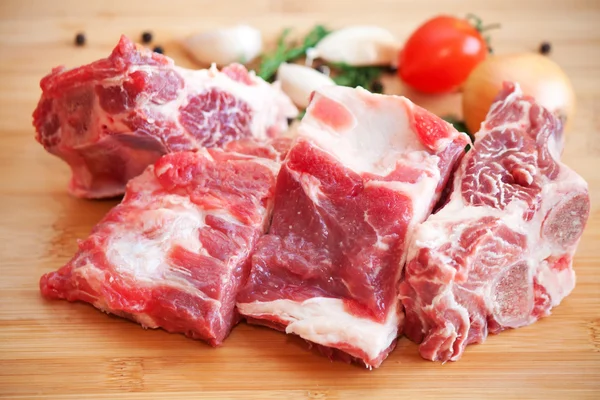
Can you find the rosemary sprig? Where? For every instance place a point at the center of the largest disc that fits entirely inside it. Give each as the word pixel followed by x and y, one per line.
pixel 366 77
pixel 286 52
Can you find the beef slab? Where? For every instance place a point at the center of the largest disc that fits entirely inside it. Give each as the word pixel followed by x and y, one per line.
pixel 174 252
pixel 365 171
pixel 112 118
pixel 499 254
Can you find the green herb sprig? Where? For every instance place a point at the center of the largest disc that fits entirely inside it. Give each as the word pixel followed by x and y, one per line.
pixel 342 74
pixel 478 24
pixel 286 52
pixel 366 77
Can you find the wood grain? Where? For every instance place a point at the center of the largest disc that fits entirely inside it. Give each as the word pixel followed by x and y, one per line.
pixel 57 350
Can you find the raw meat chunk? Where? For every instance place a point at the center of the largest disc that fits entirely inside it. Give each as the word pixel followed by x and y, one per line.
pixel 365 170
pixel 174 253
pixel 112 118
pixel 499 254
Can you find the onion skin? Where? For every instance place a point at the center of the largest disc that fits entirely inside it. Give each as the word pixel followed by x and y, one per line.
pixel 537 75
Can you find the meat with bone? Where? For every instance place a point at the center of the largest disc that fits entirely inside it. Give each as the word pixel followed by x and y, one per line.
pixel 364 172
pixel 499 254
pixel 112 118
pixel 174 253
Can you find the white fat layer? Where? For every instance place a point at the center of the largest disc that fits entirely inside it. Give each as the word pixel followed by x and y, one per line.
pixel 310 185
pixel 325 321
pixel 141 250
pixel 95 277
pixel 560 284
pixel 140 247
pixel 378 136
pixel 145 320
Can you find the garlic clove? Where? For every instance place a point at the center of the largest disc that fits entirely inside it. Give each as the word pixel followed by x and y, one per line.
pixel 358 46
pixel 298 82
pixel 241 44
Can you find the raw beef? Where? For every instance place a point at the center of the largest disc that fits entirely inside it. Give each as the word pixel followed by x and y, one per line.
pixel 174 253
pixel 365 170
pixel 112 118
pixel 499 254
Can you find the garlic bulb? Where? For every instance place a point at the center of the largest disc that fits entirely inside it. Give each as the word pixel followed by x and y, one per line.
pixel 241 44
pixel 358 46
pixel 298 82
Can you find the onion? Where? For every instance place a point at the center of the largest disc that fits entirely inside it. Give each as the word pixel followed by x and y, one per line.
pixel 537 75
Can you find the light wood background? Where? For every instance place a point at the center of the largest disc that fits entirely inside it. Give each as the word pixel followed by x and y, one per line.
pixel 57 350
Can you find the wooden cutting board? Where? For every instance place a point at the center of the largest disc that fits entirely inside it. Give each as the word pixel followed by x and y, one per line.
pixel 57 350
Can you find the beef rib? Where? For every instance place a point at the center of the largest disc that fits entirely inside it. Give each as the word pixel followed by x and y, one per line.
pixel 112 118
pixel 174 253
pixel 499 254
pixel 364 171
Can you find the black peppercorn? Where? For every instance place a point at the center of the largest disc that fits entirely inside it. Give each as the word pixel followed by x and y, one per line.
pixel 376 87
pixel 158 49
pixel 545 48
pixel 79 39
pixel 146 37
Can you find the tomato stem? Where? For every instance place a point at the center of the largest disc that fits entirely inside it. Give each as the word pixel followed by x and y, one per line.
pixel 475 20
pixel 478 24
pixel 490 26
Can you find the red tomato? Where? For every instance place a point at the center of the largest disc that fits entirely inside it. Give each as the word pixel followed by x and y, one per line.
pixel 439 56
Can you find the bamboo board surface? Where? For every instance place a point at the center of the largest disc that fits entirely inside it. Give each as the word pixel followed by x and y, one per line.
pixel 57 350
